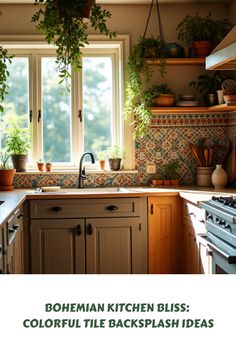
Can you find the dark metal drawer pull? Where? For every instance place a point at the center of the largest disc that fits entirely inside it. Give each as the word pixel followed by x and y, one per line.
pixel 57 208
pixel 89 229
pixel 112 207
pixel 79 230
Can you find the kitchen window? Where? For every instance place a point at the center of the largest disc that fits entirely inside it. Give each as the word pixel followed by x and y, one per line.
pixel 64 125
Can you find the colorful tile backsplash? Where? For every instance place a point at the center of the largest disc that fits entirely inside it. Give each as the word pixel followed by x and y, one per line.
pixel 168 138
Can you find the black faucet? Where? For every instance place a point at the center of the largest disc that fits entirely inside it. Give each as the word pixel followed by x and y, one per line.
pixel 82 175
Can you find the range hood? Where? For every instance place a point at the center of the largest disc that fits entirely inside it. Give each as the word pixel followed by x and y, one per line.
pixel 223 57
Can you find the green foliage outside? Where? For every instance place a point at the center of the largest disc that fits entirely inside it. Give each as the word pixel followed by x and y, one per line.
pixel 56 108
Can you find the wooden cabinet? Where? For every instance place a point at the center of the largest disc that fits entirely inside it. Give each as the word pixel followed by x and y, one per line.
pixel 195 258
pixel 115 246
pixel 14 241
pixel 107 237
pixel 164 234
pixel 2 250
pixel 57 246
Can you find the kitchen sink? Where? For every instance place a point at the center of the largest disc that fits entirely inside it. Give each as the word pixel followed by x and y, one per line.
pixel 105 190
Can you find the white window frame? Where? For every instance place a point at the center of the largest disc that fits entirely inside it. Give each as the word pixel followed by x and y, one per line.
pixel 97 44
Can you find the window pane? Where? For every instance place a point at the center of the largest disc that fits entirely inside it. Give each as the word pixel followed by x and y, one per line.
pixel 16 103
pixel 97 102
pixel 56 113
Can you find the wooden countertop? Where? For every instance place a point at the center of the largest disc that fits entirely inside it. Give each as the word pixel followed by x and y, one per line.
pixel 12 200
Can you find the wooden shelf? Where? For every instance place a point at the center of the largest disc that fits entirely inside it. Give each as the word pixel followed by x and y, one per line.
pixel 177 61
pixel 226 107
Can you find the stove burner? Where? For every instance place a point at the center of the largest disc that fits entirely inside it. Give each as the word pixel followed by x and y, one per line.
pixel 228 201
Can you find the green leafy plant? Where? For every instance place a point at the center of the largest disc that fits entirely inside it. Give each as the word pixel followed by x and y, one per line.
pixel 170 170
pixel 115 152
pixel 4 156
pixel 139 75
pixel 17 140
pixel 67 31
pixel 208 84
pixel 195 28
pixel 102 155
pixel 142 109
pixel 5 58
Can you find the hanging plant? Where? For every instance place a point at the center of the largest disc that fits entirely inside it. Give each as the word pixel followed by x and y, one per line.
pixel 5 58
pixel 63 24
pixel 139 76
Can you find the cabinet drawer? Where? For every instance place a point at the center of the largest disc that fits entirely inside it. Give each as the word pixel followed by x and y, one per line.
pixel 195 215
pixel 76 208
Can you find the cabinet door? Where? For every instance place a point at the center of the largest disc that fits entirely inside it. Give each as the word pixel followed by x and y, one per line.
pixel 163 235
pixel 115 246
pixel 1 250
pixel 205 265
pixel 18 251
pixel 57 246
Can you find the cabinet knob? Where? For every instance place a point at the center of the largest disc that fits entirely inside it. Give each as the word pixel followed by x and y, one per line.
pixel 89 229
pixel 112 207
pixel 79 232
pixel 56 208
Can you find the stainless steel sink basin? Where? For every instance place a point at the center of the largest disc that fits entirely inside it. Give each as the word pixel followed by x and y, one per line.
pixel 105 190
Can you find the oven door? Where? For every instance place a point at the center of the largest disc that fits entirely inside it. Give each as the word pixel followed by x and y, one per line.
pixel 223 255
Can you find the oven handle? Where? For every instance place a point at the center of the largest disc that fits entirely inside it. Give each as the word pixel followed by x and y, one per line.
pixel 231 259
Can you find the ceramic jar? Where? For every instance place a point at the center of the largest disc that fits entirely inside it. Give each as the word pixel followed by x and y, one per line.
pixel 204 176
pixel 219 177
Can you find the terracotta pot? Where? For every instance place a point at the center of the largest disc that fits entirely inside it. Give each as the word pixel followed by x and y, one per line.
pixel 229 98
pixel 175 182
pixel 72 9
pixel 202 48
pixel 156 182
pixel 114 164
pixel 102 164
pixel 40 166
pixel 48 166
pixel 6 179
pixel 19 162
pixel 165 100
pixel 166 182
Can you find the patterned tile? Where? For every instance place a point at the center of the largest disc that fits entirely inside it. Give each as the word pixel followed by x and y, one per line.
pixel 168 138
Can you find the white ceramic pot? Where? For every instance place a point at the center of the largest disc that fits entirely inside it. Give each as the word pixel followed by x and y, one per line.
pixel 204 176
pixel 219 177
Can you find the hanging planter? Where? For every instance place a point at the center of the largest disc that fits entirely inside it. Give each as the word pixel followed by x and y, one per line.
pixel 61 21
pixel 73 9
pixel 139 76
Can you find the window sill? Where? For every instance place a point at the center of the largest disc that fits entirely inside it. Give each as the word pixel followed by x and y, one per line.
pixel 67 172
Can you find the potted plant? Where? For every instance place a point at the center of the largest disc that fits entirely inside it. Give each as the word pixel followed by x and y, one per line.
pixel 208 86
pixel 139 75
pixel 6 173
pixel 170 175
pixel 203 32
pixel 18 144
pixel 40 165
pixel 5 59
pixel 162 95
pixel 48 166
pixel 63 25
pixel 102 156
pixel 115 155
